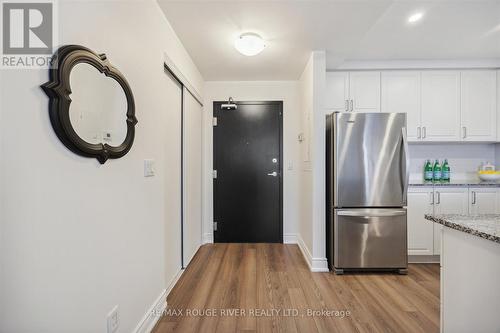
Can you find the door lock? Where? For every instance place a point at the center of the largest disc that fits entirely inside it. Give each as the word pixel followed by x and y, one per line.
pixel 273 174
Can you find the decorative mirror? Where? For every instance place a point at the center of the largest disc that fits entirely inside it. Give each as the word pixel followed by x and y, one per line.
pixel 92 114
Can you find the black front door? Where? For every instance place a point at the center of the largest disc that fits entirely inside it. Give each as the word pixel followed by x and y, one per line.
pixel 248 183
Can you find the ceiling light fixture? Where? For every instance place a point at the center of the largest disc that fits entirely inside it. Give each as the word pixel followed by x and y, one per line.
pixel 249 44
pixel 415 17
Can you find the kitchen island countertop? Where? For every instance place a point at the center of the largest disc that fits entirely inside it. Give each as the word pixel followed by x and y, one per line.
pixel 486 226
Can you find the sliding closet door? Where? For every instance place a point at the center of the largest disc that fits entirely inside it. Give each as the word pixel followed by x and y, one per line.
pixel 192 176
pixel 172 173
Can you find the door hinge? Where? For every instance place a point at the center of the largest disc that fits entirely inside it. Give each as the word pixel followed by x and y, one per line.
pixel 214 121
pixel 215 226
pixel 214 174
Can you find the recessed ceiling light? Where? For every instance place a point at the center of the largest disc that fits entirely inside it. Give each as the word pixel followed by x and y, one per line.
pixel 249 44
pixel 415 17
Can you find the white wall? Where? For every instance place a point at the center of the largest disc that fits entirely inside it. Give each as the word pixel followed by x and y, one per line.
pixel 286 91
pixel 464 158
pixel 312 222
pixel 306 109
pixel 78 237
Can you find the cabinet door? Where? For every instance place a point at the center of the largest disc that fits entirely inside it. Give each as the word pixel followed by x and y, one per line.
pixel 364 91
pixel 478 105
pixel 441 105
pixel 401 93
pixel 337 91
pixel 482 200
pixel 448 200
pixel 420 231
pixel 498 105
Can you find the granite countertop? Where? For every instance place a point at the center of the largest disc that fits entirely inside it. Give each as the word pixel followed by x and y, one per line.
pixel 486 226
pixel 457 182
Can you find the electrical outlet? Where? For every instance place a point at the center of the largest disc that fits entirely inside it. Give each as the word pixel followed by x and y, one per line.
pixel 113 320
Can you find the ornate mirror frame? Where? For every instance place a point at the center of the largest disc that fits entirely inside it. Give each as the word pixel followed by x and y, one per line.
pixel 58 90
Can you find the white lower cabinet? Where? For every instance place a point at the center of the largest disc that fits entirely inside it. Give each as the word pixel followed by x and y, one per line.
pixel 483 200
pixel 420 231
pixel 424 237
pixel 448 200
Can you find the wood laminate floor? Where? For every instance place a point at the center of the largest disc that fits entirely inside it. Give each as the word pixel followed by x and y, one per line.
pixel 258 278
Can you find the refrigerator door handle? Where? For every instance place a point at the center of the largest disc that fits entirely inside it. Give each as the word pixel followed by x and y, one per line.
pixel 406 176
pixel 372 212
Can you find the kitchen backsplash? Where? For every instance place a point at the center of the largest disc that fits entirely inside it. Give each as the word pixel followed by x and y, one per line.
pixel 464 159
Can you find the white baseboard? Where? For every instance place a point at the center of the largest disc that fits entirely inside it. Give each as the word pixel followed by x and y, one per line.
pixel 208 238
pixel 290 239
pixel 151 317
pixel 315 264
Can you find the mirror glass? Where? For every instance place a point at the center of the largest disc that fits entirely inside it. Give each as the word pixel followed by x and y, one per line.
pixel 98 110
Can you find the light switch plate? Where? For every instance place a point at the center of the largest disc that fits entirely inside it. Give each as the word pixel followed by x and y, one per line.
pixel 113 320
pixel 149 168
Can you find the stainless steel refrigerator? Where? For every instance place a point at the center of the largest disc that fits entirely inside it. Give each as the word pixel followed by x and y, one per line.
pixel 367 182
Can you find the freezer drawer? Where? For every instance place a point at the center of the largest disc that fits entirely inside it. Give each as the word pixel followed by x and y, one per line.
pixel 370 238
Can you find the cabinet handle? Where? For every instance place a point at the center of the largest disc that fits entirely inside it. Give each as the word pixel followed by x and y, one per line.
pixel 431 198
pixel 438 198
pixel 473 197
pixel 464 132
pixel 419 133
pixel 424 132
pixel 347 105
pixel 352 105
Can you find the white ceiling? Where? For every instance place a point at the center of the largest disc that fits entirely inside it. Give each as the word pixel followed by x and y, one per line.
pixel 347 30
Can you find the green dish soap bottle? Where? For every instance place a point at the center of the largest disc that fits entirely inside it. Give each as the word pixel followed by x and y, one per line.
pixel 428 172
pixel 446 171
pixel 437 171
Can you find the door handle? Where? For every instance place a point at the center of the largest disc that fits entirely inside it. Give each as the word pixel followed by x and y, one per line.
pixel 407 165
pixel 367 213
pixel 273 174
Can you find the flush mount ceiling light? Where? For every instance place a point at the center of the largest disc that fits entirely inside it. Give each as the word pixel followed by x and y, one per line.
pixel 415 17
pixel 249 44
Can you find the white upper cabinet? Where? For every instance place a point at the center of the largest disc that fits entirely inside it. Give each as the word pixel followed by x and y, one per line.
pixel 420 231
pixel 401 93
pixel 353 91
pixel 337 91
pixel 364 91
pixel 441 106
pixel 478 105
